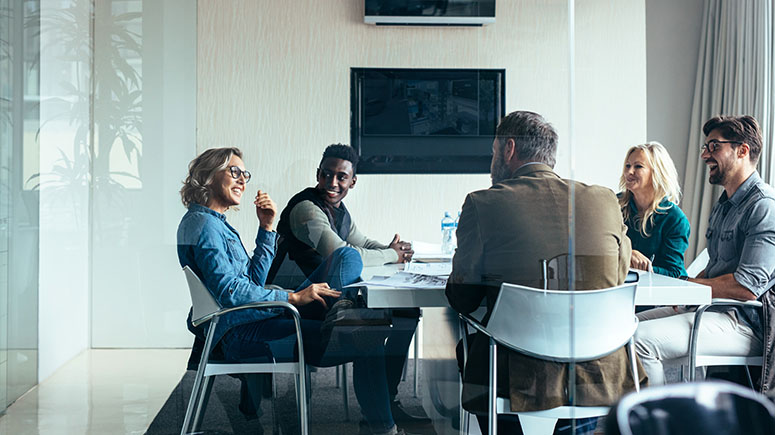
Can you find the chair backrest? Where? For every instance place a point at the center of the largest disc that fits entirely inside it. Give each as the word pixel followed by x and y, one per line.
pixel 203 302
pixel 699 263
pixel 563 325
pixel 588 271
pixel 694 408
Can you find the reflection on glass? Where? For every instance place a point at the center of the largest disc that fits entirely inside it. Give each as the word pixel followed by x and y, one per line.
pixel 19 119
pixel 118 95
pixel 5 162
pixel 144 110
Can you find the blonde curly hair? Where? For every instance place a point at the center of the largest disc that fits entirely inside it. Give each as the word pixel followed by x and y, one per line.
pixel 201 174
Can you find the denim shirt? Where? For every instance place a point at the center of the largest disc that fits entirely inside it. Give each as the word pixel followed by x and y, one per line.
pixel 741 240
pixel 213 250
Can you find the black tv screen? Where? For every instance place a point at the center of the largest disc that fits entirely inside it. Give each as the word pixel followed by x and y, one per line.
pixel 425 120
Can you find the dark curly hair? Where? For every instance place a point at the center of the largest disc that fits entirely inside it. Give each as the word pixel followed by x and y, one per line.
pixel 341 151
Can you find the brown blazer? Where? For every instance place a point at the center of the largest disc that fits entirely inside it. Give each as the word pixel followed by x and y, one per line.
pixel 503 234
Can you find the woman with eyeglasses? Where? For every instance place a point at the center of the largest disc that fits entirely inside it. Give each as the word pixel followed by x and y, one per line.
pixel 657 227
pixel 212 248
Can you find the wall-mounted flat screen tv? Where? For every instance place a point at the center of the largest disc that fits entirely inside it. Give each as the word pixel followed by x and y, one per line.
pixel 429 12
pixel 425 120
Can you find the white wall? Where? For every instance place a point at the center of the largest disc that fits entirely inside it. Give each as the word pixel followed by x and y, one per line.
pixel 673 42
pixel 139 296
pixel 63 298
pixel 275 82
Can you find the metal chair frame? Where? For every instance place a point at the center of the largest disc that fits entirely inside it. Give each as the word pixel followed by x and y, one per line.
pixel 716 360
pixel 501 406
pixel 207 309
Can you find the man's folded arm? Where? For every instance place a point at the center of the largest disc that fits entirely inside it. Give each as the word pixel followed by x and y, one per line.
pixel 310 225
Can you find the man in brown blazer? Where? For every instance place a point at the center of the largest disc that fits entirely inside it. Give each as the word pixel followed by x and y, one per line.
pixel 503 233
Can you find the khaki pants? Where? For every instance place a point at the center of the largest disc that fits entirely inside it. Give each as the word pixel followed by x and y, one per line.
pixel 663 335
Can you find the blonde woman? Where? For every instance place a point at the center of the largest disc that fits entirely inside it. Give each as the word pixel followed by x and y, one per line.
pixel 657 227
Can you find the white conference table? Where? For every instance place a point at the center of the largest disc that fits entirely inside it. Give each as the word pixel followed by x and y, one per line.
pixel 441 382
pixel 653 289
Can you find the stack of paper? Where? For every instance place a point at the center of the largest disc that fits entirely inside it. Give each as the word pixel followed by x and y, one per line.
pixel 407 280
pixel 432 269
pixel 429 253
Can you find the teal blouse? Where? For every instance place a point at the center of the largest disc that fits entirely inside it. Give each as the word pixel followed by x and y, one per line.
pixel 667 241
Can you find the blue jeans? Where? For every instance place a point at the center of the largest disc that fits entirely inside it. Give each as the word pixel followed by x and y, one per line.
pixel 248 341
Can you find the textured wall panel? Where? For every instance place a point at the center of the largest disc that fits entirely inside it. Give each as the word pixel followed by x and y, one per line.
pixel 273 79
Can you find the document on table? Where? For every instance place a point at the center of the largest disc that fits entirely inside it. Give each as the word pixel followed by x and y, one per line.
pixel 429 253
pixel 406 280
pixel 433 269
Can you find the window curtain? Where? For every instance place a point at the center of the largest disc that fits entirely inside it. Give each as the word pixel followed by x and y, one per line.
pixel 734 77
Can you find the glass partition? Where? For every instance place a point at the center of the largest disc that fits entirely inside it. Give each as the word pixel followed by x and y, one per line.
pixel 158 82
pixel 19 200
pixel 144 126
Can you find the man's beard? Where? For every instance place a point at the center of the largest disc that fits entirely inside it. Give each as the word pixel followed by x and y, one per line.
pixel 717 177
pixel 499 171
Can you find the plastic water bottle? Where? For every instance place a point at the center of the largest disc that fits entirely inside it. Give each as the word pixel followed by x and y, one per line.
pixel 454 233
pixel 447 233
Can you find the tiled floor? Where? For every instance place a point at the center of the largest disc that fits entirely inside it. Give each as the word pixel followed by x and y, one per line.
pixel 101 391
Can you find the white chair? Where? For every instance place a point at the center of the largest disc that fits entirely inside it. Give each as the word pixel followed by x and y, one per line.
pixel 700 360
pixel 695 360
pixel 698 265
pixel 207 309
pixel 561 326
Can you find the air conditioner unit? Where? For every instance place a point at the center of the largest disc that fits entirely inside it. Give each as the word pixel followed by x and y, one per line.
pixel 429 12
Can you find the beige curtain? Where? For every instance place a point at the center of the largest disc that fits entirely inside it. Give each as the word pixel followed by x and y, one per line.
pixel 734 77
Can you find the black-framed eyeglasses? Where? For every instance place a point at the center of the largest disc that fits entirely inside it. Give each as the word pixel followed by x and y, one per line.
pixel 237 172
pixel 713 145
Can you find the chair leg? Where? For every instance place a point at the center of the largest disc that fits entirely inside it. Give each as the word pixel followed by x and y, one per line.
pixel 207 387
pixel 345 397
pixel 492 415
pixel 199 380
pixel 337 376
pixel 416 363
pixel 748 374
pixel 303 390
pixel 196 391
pixel 464 426
pixel 634 365
pixel 275 420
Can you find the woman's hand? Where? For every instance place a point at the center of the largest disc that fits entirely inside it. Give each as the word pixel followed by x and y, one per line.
pixel 315 292
pixel 266 210
pixel 639 261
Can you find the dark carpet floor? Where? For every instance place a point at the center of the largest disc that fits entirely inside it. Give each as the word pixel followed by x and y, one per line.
pixel 222 415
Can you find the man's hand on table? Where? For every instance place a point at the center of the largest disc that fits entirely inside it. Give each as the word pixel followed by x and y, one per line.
pixel 403 249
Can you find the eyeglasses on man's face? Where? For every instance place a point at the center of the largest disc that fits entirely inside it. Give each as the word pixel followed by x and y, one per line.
pixel 237 172
pixel 712 145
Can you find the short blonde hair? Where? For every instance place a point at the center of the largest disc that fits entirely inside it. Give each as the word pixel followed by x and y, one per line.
pixel 201 174
pixel 664 179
